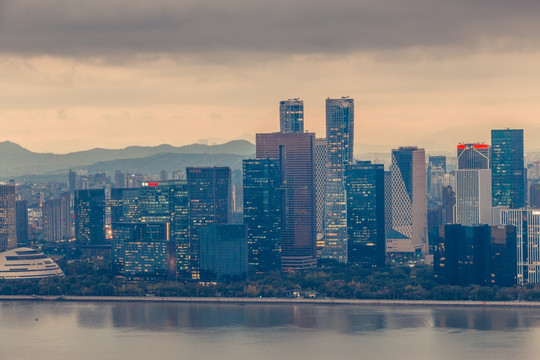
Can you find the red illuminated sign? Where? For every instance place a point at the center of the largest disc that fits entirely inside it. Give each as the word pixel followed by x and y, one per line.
pixel 481 146
pixel 461 146
pixel 153 184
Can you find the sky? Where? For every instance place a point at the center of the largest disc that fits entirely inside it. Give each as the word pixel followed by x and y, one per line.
pixel 75 75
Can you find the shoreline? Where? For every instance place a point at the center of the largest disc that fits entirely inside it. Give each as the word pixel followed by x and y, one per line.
pixel 244 301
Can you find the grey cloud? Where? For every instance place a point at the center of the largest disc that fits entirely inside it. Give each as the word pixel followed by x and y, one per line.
pixel 119 28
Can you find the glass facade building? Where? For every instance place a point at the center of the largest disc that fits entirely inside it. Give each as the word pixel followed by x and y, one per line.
pixel 364 183
pixel 339 147
pixel 90 217
pixel 263 196
pixel 508 170
pixel 291 116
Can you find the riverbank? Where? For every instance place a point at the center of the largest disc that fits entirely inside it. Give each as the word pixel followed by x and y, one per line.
pixel 244 301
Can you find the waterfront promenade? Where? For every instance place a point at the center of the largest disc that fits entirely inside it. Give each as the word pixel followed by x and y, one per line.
pixel 247 300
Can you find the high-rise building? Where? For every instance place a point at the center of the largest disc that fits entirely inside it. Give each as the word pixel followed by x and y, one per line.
pixel 435 177
pixel 209 190
pixel 52 227
pixel 21 210
pixel 143 250
pixel 339 146
pixel 66 216
pixel 90 217
pixel 263 196
pixel 8 222
pixel 364 183
pixel 125 205
pixel 534 195
pixel 482 255
pixel 119 179
pixel 508 170
pixel 473 156
pixel 527 223
pixel 296 153
pixel 409 201
pixel 320 186
pixel 291 116
pixel 166 202
pixel 473 185
pixel 223 251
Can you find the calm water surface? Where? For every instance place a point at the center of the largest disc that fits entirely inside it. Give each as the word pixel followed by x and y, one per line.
pixel 50 330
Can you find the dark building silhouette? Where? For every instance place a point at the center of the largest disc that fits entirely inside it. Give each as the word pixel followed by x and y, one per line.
pixel 508 170
pixel 209 191
pixel 21 210
pixel 124 204
pixel 263 196
pixel 482 255
pixel 535 196
pixel 8 222
pixel 119 179
pixel 90 217
pixel 296 153
pixel 223 251
pixel 364 184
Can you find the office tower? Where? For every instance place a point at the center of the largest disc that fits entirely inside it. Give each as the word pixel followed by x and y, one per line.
pixel 223 251
pixel 527 223
pixel 90 217
pixel 66 216
pixel 209 190
pixel 21 211
pixel 387 201
pixel 435 170
pixel 291 116
pixel 143 250
pixel 165 202
pixel 119 179
pixel 124 204
pixel 339 142
pixel 8 222
pixel 473 156
pixel 52 226
pixel 263 196
pixel 409 202
pixel 296 153
pixel 534 201
pixel 320 186
pixel 482 255
pixel 507 164
pixel 163 175
pixel 364 183
pixel 448 203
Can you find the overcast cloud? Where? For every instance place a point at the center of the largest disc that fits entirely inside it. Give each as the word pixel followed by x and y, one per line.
pixel 108 28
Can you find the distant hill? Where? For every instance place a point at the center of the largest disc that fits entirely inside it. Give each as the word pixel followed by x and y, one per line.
pixel 16 161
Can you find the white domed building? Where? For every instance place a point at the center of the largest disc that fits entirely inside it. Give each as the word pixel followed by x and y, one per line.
pixel 27 263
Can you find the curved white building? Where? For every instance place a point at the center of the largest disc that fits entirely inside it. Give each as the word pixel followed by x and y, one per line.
pixel 27 263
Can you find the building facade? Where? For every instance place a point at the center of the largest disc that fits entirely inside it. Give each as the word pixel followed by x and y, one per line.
pixel 508 170
pixel 339 146
pixel 296 155
pixel 291 116
pixel 8 222
pixel 90 217
pixel 364 183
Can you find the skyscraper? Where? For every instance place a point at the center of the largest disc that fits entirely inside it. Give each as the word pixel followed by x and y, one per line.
pixel 8 223
pixel 508 171
pixel 364 183
pixel 296 153
pixel 209 190
pixel 340 141
pixel 52 227
pixel 473 185
pixel 291 116
pixel 320 185
pixel 21 209
pixel 263 196
pixel 90 216
pixel 409 202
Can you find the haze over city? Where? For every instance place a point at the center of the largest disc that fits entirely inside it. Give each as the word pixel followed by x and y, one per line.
pixel 74 76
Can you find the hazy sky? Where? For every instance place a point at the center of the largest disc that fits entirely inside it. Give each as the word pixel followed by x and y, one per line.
pixel 91 73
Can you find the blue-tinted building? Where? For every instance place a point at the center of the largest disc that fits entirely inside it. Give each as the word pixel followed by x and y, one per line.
pixel 364 183
pixel 223 251
pixel 90 217
pixel 263 197
pixel 143 250
pixel 508 170
pixel 209 191
pixel 291 116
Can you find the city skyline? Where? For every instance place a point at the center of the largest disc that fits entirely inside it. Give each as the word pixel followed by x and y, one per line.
pixel 75 77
